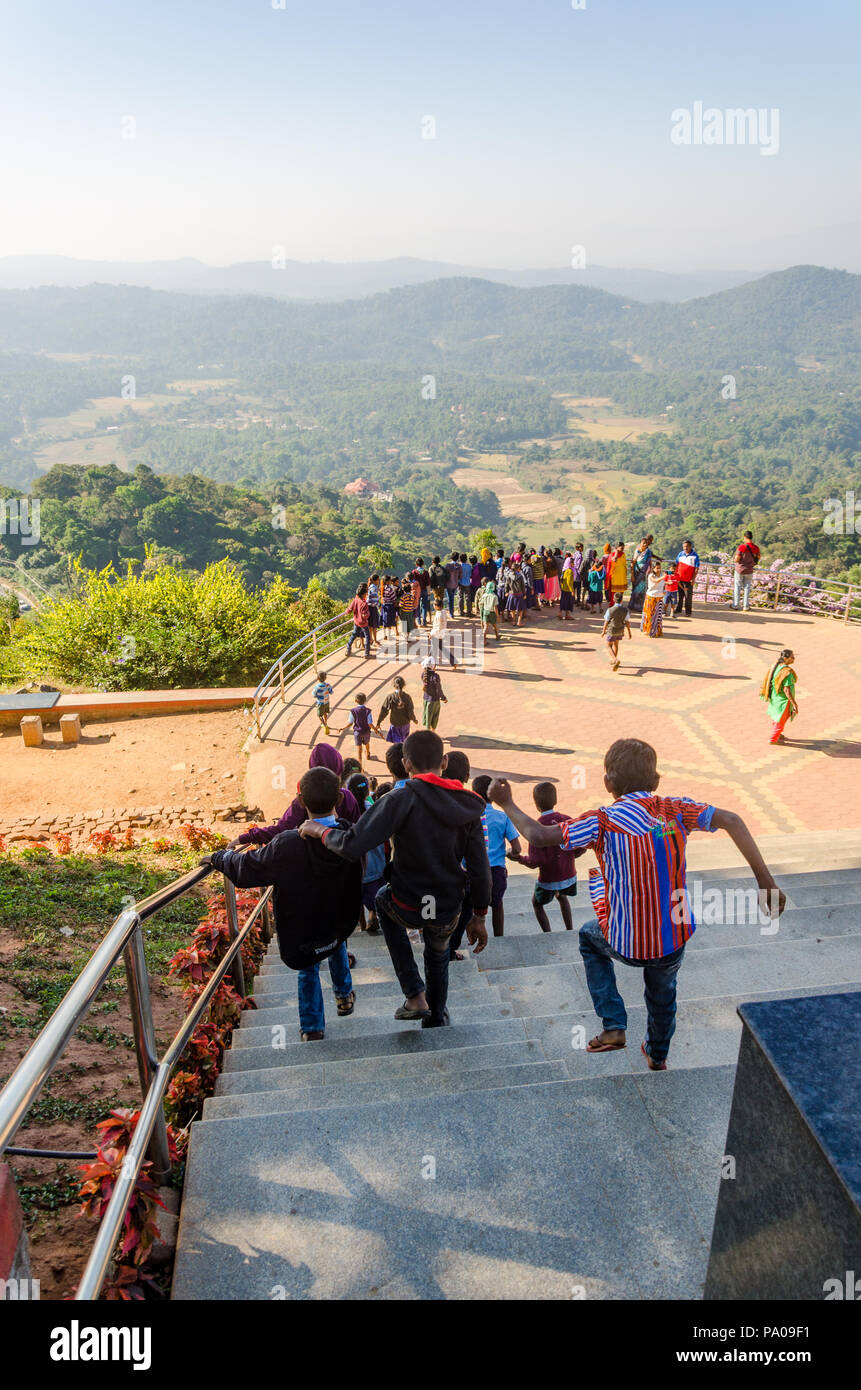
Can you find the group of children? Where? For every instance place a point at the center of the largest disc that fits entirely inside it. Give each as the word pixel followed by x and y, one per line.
pixel 424 856
pixel 397 707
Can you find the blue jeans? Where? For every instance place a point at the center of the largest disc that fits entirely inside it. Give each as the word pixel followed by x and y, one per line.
pixel 450 593
pixel 436 939
pixel 659 979
pixel 741 583
pixel 424 605
pixel 311 1016
pixel 361 633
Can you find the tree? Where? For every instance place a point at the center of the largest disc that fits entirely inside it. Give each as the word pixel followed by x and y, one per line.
pixel 375 558
pixel 485 539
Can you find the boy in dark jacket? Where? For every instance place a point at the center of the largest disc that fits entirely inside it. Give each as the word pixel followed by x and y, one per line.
pixel 317 899
pixel 434 826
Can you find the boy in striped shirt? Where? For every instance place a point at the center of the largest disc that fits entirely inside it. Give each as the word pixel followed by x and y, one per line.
pixel 639 893
pixel 321 693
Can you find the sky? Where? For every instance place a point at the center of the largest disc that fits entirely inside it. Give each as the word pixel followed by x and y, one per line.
pixel 222 130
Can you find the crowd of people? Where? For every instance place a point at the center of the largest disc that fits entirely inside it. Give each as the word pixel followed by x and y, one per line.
pixel 421 858
pixel 503 589
pixel 421 854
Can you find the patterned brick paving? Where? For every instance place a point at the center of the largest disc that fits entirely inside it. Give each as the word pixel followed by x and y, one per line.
pixel 546 706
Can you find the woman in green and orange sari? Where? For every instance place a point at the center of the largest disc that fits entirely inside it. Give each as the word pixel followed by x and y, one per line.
pixel 778 689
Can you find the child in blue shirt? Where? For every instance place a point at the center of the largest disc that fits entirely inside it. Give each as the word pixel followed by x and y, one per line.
pixel 497 829
pixel 321 693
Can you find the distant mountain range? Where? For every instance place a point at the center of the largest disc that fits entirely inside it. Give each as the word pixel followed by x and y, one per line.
pixel 331 280
pixel 802 315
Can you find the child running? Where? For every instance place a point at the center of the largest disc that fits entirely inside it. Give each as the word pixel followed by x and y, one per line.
pixel 322 692
pixel 361 723
pixel 644 917
pixel 557 874
pixel 616 624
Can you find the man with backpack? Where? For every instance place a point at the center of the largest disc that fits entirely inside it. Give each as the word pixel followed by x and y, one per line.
pixel 317 900
pixel 745 561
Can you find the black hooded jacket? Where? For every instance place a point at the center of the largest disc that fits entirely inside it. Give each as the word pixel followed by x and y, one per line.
pixel 317 897
pixel 433 824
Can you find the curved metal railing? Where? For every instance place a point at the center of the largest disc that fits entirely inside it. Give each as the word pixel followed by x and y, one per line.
pixel 297 660
pixel 125 938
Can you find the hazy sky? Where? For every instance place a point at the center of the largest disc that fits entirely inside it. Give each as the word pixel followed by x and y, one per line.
pixel 301 126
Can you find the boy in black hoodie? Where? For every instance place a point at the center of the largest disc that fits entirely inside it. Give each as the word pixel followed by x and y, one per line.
pixel 434 825
pixel 317 899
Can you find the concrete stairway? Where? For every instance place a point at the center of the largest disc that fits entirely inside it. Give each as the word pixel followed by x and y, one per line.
pixel 494 1158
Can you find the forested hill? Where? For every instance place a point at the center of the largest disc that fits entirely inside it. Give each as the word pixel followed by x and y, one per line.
pixel 744 408
pixel 473 325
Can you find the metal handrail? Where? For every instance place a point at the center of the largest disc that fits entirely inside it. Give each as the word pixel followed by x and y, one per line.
pixel 773 580
pixel 125 937
pixel 301 656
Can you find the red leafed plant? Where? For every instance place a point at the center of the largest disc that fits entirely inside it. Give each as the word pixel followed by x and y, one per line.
pixel 197 838
pixel 225 1006
pixel 129 841
pixel 102 841
pixel 192 962
pixel 162 845
pixel 63 842
pixel 139 1223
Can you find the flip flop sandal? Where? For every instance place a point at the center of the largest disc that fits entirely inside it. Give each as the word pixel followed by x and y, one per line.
pixel 405 1015
pixel 595 1045
pixel 346 1003
pixel 351 959
pixel 458 955
pixel 653 1065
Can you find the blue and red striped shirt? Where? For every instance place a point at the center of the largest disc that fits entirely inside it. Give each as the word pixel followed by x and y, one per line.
pixel 640 892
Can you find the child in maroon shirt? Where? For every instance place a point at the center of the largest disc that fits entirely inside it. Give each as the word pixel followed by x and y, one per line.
pixel 557 875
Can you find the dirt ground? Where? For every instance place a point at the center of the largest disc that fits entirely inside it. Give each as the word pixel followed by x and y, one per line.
pixel 193 760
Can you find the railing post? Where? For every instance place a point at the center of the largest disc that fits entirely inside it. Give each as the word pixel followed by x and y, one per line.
pixel 706 590
pixel 777 590
pixel 233 931
pixel 848 604
pixel 281 678
pixel 140 1001
pixel 266 930
pixel 257 716
pixel 314 645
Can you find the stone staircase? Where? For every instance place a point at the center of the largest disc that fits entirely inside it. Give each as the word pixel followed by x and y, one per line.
pixel 495 1158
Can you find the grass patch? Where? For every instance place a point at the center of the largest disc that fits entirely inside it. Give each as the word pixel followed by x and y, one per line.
pixel 60 908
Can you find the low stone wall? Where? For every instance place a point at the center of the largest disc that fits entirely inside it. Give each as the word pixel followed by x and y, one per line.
pixel 160 820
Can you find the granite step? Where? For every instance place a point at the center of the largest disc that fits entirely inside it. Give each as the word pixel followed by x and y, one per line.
pixel 707 1034
pixel 454 1060
pixel 796 924
pixel 558 986
pixel 257 1035
pixel 371 1000
pixel 614 1199
pixel 399 1040
pixel 270 988
pixel 348 1094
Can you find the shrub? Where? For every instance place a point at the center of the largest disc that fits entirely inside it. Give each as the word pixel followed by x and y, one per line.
pixel 157 626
